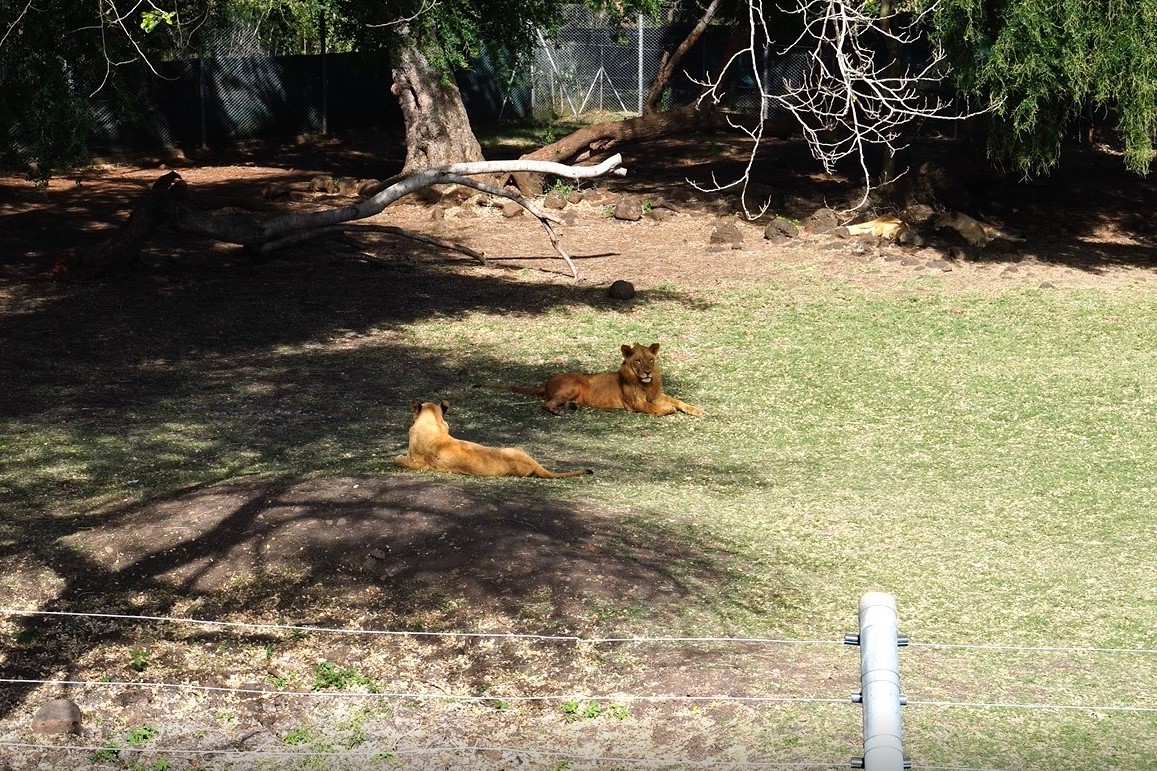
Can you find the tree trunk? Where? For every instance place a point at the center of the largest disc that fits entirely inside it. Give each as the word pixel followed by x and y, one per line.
pixel 671 59
pixel 600 137
pixel 438 129
pixel 892 70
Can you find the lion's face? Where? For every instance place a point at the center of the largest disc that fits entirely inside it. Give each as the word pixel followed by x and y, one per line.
pixel 640 361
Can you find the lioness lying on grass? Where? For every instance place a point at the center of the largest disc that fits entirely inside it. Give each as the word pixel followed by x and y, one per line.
pixel 637 386
pixel 433 449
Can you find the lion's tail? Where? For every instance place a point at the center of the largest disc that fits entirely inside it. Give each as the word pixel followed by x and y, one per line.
pixel 539 390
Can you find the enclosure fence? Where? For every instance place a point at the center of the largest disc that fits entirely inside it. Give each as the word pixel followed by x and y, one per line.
pixel 880 696
pixel 232 87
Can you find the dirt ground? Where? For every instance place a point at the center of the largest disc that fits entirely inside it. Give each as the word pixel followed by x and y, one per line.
pixel 311 551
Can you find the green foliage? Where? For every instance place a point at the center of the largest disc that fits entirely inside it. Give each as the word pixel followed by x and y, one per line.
pixel 330 675
pixel 141 735
pixel 1041 63
pixel 138 659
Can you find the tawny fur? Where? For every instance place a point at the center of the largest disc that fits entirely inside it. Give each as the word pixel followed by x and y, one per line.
pixel 637 386
pixel 881 227
pixel 433 449
pixel 891 228
pixel 972 230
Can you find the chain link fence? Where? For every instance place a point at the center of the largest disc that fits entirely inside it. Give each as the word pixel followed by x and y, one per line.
pixel 236 89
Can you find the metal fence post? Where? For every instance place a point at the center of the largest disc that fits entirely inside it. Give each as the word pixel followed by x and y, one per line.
pixel 880 684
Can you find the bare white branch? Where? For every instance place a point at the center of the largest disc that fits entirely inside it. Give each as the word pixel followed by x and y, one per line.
pixel 851 99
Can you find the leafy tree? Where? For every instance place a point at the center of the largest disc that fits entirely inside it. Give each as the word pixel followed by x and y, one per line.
pixel 1041 63
pixel 428 40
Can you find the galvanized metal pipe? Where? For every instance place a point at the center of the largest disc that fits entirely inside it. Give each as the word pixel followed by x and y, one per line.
pixel 880 683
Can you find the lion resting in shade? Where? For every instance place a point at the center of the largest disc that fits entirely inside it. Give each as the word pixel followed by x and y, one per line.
pixel 433 449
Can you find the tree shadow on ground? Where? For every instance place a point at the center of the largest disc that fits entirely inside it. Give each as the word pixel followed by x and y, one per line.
pixel 400 552
pixel 178 391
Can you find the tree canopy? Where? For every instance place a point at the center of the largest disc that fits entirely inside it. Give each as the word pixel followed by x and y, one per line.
pixel 1039 64
pixel 1042 63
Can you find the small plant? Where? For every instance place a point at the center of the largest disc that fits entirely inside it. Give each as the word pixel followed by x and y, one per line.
pixel 330 675
pixel 141 735
pixel 570 711
pixel 563 187
pixel 562 765
pixel 298 736
pixel 138 659
pixel 619 711
pixel 592 710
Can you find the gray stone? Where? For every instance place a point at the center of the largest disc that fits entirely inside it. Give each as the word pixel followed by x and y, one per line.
pixel 727 233
pixel 60 716
pixel 660 215
pixel 629 209
pixel 781 226
pixel 554 200
pixel 511 209
pixel 822 221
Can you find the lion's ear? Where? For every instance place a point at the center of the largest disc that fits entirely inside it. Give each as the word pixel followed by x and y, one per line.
pixel 415 408
pixel 445 405
pixel 654 347
pixel 626 349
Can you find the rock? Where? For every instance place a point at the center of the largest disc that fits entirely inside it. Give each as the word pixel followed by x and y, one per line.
pixel 781 226
pixel 348 185
pixel 629 209
pixel 943 265
pixel 511 209
pixel 323 183
pixel 593 196
pixel 377 554
pixel 275 190
pixel 60 716
pixel 662 203
pixel 727 233
pixel 574 196
pixel 822 221
pixel 569 218
pixel 554 200
pixel 660 215
pixel 369 187
pixel 621 290
pixel 777 239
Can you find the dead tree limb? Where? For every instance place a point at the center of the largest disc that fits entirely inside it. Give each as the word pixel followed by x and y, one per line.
pixel 262 236
pixel 671 59
pixel 602 137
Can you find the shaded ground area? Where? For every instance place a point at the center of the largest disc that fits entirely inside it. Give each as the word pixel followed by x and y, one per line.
pixel 351 547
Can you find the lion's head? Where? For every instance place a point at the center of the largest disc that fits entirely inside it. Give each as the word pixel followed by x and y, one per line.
pixel 639 362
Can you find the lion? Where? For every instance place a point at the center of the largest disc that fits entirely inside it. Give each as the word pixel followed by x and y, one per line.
pixel 433 449
pixel 974 231
pixel 637 387
pixel 891 228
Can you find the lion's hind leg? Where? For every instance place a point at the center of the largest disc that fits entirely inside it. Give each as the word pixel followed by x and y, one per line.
pixel 408 462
